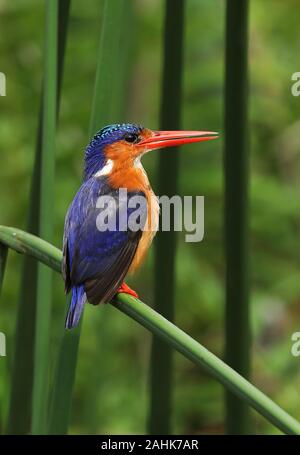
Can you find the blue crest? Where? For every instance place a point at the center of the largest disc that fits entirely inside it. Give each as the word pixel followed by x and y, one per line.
pixel 94 153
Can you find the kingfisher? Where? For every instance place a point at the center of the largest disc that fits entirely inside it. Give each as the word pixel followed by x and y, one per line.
pixel 97 256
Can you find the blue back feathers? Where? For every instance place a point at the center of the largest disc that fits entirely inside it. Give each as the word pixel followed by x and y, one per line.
pixel 95 151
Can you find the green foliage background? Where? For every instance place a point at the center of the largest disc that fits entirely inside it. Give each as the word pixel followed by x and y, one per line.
pixel 111 384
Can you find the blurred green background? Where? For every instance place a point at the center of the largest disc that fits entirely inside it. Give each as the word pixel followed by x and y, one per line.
pixel 110 394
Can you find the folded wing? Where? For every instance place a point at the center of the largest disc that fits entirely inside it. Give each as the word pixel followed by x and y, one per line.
pixel 99 259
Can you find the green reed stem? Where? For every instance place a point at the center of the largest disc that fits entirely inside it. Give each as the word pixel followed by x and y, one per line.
pixel 237 319
pixel 44 276
pixel 165 242
pixel 51 256
pixel 103 109
pixel 3 258
pixel 19 418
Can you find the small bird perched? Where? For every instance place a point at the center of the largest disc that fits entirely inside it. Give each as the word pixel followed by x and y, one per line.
pixel 96 260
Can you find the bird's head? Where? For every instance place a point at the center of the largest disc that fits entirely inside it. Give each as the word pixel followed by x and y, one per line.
pixel 123 144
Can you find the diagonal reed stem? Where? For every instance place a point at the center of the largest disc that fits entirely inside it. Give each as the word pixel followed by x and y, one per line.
pixel 103 109
pixel 165 242
pixel 44 275
pixel 237 323
pixel 3 258
pixel 51 256
pixel 109 54
pixel 19 418
pixel 64 382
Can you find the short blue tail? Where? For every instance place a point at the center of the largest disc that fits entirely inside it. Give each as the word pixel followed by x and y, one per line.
pixel 76 306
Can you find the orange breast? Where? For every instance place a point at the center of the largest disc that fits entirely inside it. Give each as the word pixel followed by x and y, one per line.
pixel 134 178
pixel 151 227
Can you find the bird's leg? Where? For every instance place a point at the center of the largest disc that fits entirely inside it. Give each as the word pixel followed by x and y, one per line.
pixel 124 288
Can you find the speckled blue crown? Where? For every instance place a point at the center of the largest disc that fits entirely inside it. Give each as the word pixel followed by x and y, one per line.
pixel 94 152
pixel 112 133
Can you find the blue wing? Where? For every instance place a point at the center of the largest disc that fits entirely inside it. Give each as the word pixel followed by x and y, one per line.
pixel 96 262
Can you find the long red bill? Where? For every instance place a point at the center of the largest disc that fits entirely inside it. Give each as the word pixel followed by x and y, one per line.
pixel 174 138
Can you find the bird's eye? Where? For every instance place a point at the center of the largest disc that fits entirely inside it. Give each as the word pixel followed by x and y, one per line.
pixel 131 138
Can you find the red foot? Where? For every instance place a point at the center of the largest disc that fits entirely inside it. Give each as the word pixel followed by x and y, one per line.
pixel 127 290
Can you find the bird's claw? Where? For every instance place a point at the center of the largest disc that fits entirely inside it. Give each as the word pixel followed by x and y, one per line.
pixel 125 289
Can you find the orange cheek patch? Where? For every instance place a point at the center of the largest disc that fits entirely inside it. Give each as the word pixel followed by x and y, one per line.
pixel 124 173
pixel 119 151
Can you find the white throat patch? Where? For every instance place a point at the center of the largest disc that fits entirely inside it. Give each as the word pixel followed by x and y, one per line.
pixel 137 162
pixel 106 169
